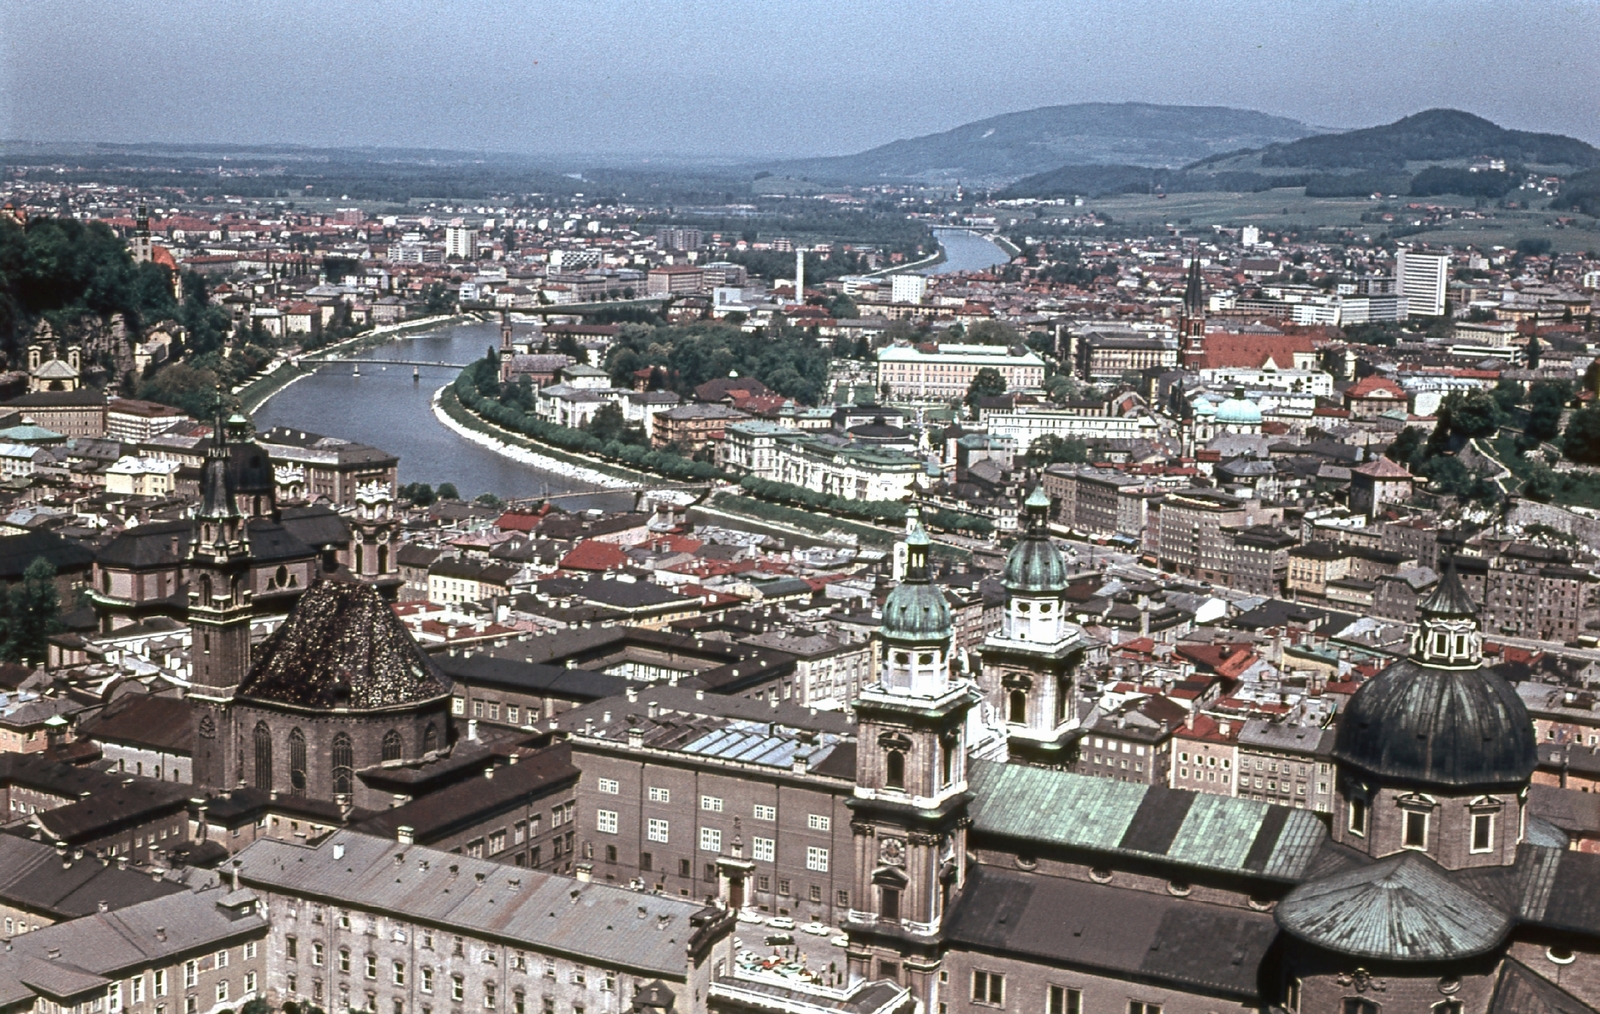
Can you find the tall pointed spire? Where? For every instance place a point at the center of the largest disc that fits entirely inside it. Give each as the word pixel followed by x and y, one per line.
pixel 1194 292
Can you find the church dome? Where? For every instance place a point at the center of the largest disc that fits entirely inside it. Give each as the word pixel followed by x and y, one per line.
pixel 1238 411
pixel 916 610
pixel 1439 718
pixel 1035 564
pixel 343 647
pixel 1202 406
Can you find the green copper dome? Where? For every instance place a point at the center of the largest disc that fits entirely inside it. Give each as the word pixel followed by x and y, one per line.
pixel 1035 564
pixel 916 610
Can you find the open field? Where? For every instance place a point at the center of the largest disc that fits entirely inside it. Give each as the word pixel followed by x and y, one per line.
pixel 1289 208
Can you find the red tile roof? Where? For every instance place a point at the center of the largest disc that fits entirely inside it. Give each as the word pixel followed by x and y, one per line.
pixel 593 555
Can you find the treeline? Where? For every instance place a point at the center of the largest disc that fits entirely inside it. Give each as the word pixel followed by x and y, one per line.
pixel 61 269
pixel 875 511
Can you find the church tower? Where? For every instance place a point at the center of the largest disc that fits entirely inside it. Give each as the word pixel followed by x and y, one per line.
pixel 1030 663
pixel 1192 325
pixel 507 351
pixel 219 612
pixel 909 812
pixel 375 527
pixel 140 246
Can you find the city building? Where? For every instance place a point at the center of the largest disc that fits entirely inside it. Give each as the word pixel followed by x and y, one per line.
pixel 310 466
pixel 1191 538
pixel 946 371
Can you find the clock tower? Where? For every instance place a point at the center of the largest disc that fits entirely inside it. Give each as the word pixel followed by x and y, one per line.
pixel 909 813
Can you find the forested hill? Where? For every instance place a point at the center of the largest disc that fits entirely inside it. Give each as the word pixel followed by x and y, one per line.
pixel 1013 145
pixel 1435 135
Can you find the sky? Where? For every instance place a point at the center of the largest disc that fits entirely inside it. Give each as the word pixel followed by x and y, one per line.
pixel 759 78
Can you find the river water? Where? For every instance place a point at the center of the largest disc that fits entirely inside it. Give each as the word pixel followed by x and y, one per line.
pixel 966 251
pixel 386 408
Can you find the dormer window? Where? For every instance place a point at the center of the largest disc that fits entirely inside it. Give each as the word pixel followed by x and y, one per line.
pixel 1416 830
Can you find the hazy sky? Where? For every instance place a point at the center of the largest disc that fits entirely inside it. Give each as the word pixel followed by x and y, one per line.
pixel 745 77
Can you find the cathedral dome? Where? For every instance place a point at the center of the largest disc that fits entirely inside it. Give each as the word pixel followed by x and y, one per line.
pixel 1238 411
pixel 1202 407
pixel 1439 718
pixel 1035 564
pixel 343 647
pixel 916 610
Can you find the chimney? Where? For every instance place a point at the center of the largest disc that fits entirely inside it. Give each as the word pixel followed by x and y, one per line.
pixel 802 763
pixel 635 738
pixel 585 874
pixel 488 772
pixel 161 934
pixel 338 850
pixel 103 906
pixel 652 709
pixel 405 834
pixel 472 729
pixel 633 695
pixel 1224 727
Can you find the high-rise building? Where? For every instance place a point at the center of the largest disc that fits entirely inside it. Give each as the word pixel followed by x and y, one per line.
pixel 908 288
pixel 1421 279
pixel 460 241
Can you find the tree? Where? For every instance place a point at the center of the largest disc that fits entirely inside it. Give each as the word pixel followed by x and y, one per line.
pixel 988 383
pixel 448 491
pixel 1051 449
pixel 608 424
pixel 419 493
pixel 1581 442
pixel 32 611
pixel 1406 447
pixel 1546 401
pixel 1507 395
pixel 991 332
pixel 489 500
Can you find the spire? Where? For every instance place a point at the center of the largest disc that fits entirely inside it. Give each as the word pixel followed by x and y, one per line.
pixel 1449 597
pixel 1448 635
pixel 216 488
pixel 1194 299
pixel 917 553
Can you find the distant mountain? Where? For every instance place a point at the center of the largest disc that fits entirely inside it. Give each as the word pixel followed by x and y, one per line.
pixel 1435 135
pixel 1422 155
pixel 1005 148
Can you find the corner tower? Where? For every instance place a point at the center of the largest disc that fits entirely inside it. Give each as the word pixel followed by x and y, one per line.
pixel 910 805
pixel 1030 664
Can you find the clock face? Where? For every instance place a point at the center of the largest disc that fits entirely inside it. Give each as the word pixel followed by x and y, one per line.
pixel 892 852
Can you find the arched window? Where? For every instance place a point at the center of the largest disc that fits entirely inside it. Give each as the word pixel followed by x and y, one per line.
pixel 263 757
pixel 344 765
pixel 430 739
pixel 947 762
pixel 208 727
pixel 360 558
pixel 1017 708
pixel 1063 697
pixel 391 745
pixel 894 769
pixel 297 761
pixel 383 559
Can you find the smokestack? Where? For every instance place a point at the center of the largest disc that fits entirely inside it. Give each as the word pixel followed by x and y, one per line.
pixel 799 275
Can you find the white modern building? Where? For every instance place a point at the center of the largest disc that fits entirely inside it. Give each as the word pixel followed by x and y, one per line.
pixel 908 288
pixel 461 242
pixel 1421 278
pixel 1025 424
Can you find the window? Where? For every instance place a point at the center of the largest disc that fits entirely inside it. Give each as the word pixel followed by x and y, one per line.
pixel 608 982
pixel 344 765
pixel 519 1002
pixel 660 795
pixel 765 812
pixel 711 803
pixel 392 748
pixel 610 786
pixel 263 744
pixel 344 960
pixel 158 982
pixel 497 842
pixel 249 950
pixel 1482 832
pixel 818 822
pixel 250 982
pixel 1356 1005
pixel 1358 818
pixel 710 840
pixel 606 822
pixel 222 991
pixel 890 908
pixel 656 830
pixel 843 900
pixel 488 996
pixel 316 953
pixel 291 948
pixel 1416 830
pixel 1135 1007
pixel 136 993
pixel 222 959
pixel 1061 1000
pixel 894 770
pixel 372 966
pixel 989 988
pixel 399 973
pixel 191 973
pixel 763 849
pixel 457 988
pixel 646 862
pixel 816 859
pixel 426 982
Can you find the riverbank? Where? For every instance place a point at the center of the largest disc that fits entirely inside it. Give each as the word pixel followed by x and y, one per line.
pixel 447 408
pixel 287 371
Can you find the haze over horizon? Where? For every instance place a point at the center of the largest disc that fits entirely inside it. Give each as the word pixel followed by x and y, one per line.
pixel 793 79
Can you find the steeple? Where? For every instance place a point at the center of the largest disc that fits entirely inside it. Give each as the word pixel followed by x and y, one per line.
pixel 219 571
pixel 1192 325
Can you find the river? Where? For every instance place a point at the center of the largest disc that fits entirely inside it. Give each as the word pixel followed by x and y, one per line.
pixel 384 407
pixel 966 251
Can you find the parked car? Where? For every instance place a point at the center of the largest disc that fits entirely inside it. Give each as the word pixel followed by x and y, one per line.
pixel 779 939
pixel 782 922
pixel 816 929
